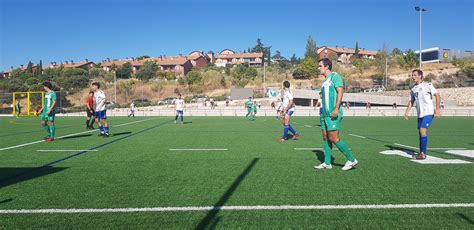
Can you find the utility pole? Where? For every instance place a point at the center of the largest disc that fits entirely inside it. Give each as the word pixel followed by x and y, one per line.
pixel 115 87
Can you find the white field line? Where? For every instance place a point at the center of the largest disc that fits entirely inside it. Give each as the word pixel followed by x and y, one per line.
pixel 308 126
pixel 411 147
pixel 198 149
pixel 67 150
pixel 69 135
pixel 235 208
pixel 350 134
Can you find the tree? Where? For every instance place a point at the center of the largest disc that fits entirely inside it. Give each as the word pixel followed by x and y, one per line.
pixel 294 60
pixel 125 71
pixel 307 69
pixel 147 71
pixel 311 49
pixel 29 68
pixel 409 60
pixel 356 52
pixel 396 52
pixel 193 77
pixel 260 48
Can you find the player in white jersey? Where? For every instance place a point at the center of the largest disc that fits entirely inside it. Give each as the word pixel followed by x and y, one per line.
pixel 179 109
pixel 100 110
pixel 132 110
pixel 421 95
pixel 288 110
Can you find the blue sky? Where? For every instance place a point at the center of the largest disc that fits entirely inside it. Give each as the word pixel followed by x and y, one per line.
pixel 59 30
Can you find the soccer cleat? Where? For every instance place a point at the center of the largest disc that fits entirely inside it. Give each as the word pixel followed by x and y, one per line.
pixel 323 166
pixel 294 137
pixel 281 139
pixel 419 156
pixel 49 139
pixel 349 165
pixel 175 122
pixel 45 137
pixel 106 135
pixel 101 134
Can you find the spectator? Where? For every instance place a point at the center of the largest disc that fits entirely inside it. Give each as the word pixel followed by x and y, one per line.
pixel 368 106
pixel 394 106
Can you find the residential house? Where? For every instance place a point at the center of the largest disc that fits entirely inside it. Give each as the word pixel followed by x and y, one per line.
pixel 229 57
pixel 344 54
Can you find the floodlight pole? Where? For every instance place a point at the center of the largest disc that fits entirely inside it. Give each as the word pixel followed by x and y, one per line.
pixel 420 9
pixel 264 76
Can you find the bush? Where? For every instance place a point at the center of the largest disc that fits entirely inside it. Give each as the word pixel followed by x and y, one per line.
pixel 307 69
pixel 193 77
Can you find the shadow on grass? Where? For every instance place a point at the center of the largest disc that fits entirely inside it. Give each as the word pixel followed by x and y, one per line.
pixel 10 176
pixel 6 200
pixel 77 136
pixel 320 155
pixel 118 134
pixel 407 150
pixel 466 218
pixel 210 218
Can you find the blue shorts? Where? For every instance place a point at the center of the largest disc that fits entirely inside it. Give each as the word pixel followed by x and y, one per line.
pixel 179 112
pixel 425 122
pixel 320 110
pixel 101 114
pixel 290 112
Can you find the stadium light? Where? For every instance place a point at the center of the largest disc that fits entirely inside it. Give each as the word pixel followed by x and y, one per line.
pixel 420 9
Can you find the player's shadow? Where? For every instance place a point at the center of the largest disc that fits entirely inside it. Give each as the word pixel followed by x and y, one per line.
pixel 211 219
pixel 77 136
pixel 406 150
pixel 187 122
pixel 10 176
pixel 466 218
pixel 6 200
pixel 119 134
pixel 320 155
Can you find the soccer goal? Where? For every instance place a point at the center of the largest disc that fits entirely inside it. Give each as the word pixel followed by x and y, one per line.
pixel 27 103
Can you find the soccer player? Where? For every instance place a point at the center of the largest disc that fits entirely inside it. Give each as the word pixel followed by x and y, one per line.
pixel 288 110
pixel 179 109
pixel 254 110
pixel 48 111
pixel 132 110
pixel 421 94
pixel 279 109
pixel 249 106
pixel 18 108
pixel 100 110
pixel 90 110
pixel 332 91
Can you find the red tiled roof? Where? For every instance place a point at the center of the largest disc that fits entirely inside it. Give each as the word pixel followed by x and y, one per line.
pixel 348 50
pixel 240 55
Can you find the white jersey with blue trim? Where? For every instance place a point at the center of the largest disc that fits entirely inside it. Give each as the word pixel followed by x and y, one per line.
pixel 179 104
pixel 99 99
pixel 422 96
pixel 287 96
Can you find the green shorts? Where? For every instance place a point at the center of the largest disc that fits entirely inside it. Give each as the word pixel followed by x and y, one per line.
pixel 329 124
pixel 49 117
pixel 249 110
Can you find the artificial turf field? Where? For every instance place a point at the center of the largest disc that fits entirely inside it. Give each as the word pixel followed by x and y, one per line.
pixel 150 162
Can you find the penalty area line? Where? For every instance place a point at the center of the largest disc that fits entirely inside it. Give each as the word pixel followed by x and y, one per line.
pixel 236 208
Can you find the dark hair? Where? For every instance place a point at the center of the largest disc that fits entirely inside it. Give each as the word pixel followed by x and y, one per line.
pixel 48 84
pixel 326 62
pixel 286 84
pixel 179 94
pixel 418 71
pixel 91 92
pixel 96 84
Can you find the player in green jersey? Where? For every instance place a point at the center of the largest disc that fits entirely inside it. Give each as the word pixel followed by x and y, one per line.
pixel 249 107
pixel 332 91
pixel 48 111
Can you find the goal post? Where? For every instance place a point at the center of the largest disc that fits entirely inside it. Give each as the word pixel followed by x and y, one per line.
pixel 25 102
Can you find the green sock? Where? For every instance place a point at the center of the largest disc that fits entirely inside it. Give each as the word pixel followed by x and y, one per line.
pixel 52 129
pixel 345 150
pixel 327 146
pixel 46 128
